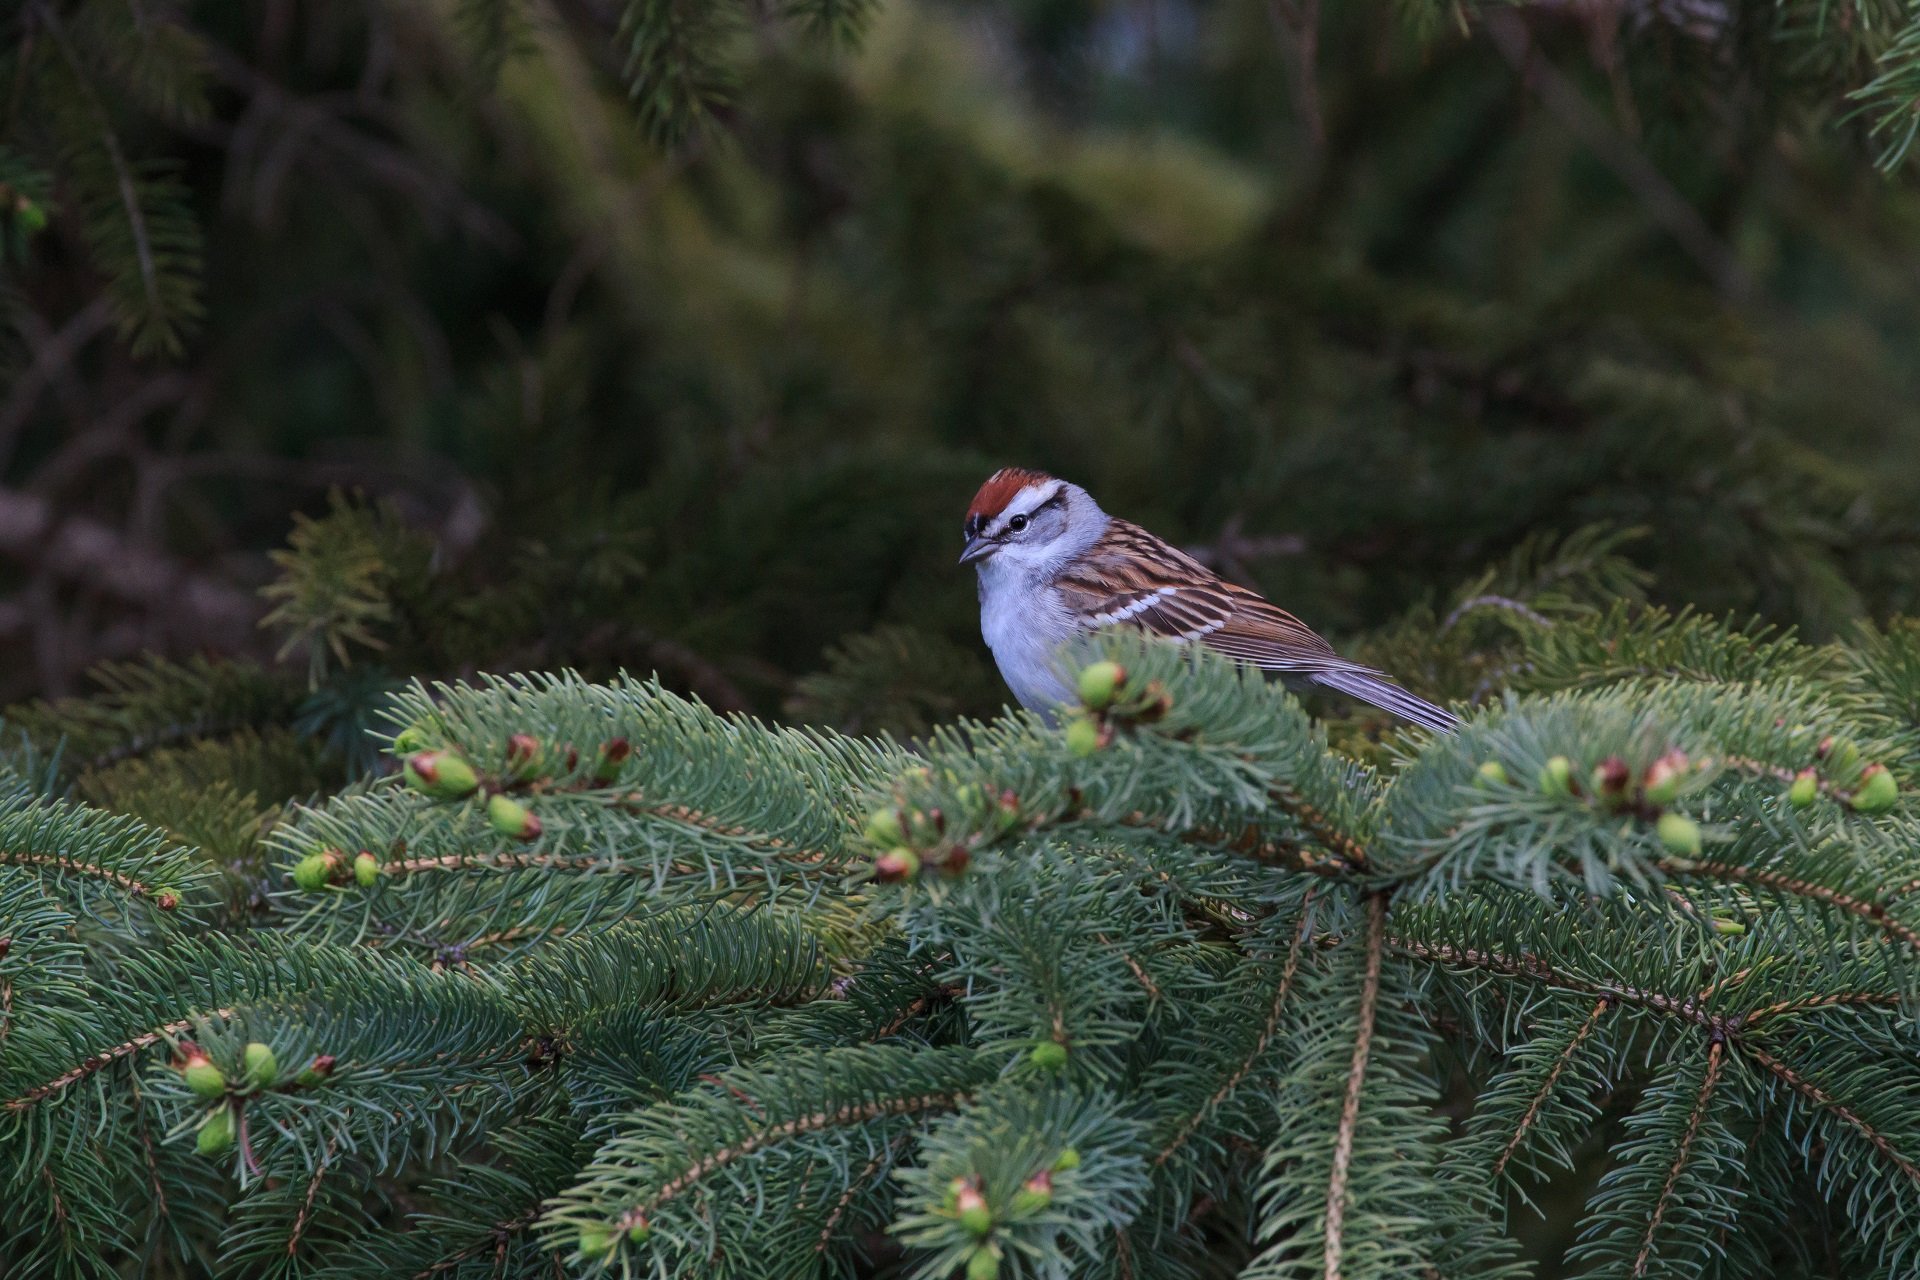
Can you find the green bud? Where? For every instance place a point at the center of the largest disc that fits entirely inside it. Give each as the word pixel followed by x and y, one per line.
pixel 523 756
pixel 1728 925
pixel 1841 755
pixel 206 1080
pixel 1049 1055
pixel 1099 682
pixel 896 864
pixel 1661 783
pixel 216 1135
pixel 984 1264
pixel 595 1241
pixel 1034 1195
pixel 883 827
pixel 1804 790
pixel 408 741
pixel 613 754
pixel 1006 811
pixel 511 818
pixel 1491 774
pixel 1877 791
pixel 1068 1158
pixel 638 1232
pixel 1083 736
pixel 1556 777
pixel 1679 833
pixel 313 871
pixel 262 1070
pixel 319 1069
pixel 441 774
pixel 974 1214
pixel 366 870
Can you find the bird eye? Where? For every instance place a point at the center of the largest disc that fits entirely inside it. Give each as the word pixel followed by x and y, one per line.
pixel 1016 524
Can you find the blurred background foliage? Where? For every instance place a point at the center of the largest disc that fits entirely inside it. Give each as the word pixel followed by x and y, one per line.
pixel 676 335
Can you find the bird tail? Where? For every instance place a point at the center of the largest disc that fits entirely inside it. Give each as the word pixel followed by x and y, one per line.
pixel 1371 688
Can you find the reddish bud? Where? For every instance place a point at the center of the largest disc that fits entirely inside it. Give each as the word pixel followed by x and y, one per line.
pixel 1610 776
pixel 6 944
pixel 1035 1194
pixel 895 864
pixel 613 753
pixel 166 899
pixel 972 1209
pixel 317 1070
pixel 523 753
pixel 955 863
pixel 1662 780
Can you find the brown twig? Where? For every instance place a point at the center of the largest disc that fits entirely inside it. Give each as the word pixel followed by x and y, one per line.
pixel 886 1154
pixel 1715 1052
pixel 500 1233
pixel 1833 1000
pixel 21 858
pixel 1546 1086
pixel 1875 913
pixel 306 1206
pixel 1356 1075
pixel 106 1058
pixel 1531 966
pixel 813 1122
pixel 1820 1097
pixel 1302 927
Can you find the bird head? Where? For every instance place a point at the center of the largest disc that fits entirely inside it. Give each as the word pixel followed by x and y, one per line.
pixel 1028 516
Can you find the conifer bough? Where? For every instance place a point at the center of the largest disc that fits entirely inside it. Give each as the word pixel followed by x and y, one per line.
pixel 1214 952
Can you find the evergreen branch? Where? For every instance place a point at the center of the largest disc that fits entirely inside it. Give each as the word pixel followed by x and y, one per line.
pixel 913 1009
pixel 1302 928
pixel 1715 1052
pixel 147 1152
pixel 1826 1101
pixel 1356 1074
pixel 106 1058
pixel 1546 1086
pixel 306 1205
pixel 21 858
pixel 129 197
pixel 689 816
pixel 1884 999
pixel 881 1158
pixel 1875 913
pixel 1531 966
pixel 785 1131
pixel 1517 607
pixel 1323 830
pixel 500 1232
pixel 513 860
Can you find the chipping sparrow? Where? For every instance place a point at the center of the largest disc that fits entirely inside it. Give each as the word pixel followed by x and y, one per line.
pixel 1053 565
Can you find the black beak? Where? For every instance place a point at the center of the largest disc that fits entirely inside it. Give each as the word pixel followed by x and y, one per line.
pixel 977 548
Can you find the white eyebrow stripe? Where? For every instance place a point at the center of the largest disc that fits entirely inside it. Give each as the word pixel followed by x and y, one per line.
pixel 1134 609
pixel 1028 501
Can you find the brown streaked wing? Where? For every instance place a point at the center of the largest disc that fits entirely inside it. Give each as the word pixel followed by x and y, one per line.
pixel 1131 578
